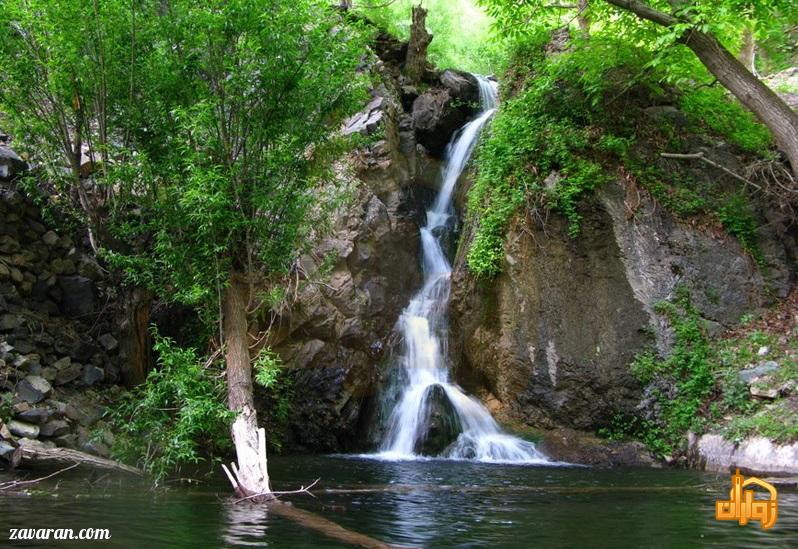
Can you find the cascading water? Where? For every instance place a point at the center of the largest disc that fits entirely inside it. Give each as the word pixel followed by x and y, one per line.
pixel 423 325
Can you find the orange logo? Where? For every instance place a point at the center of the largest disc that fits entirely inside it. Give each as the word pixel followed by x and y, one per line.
pixel 741 505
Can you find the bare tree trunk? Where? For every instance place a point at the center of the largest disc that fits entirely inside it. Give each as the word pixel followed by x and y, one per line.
pixel 581 17
pixel 416 61
pixel 136 343
pixel 771 110
pixel 250 476
pixel 748 51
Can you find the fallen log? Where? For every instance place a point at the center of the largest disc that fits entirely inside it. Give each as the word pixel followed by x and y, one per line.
pixel 39 454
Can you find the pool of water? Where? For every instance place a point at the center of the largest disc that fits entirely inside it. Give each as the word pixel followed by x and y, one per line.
pixel 432 503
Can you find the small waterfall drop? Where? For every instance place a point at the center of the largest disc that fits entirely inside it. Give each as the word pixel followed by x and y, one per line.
pixel 423 325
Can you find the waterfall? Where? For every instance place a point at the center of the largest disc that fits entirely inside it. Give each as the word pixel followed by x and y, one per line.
pixel 423 326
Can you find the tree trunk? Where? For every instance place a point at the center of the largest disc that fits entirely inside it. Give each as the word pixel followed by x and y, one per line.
pixel 582 19
pixel 748 51
pixel 771 110
pixel 136 343
pixel 250 477
pixel 416 61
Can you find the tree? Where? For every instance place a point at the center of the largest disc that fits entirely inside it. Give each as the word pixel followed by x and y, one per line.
pixel 239 131
pixel 695 25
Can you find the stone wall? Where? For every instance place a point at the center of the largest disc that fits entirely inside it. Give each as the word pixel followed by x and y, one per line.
pixel 59 351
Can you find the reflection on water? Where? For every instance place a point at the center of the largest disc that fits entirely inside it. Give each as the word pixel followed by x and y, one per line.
pixel 423 504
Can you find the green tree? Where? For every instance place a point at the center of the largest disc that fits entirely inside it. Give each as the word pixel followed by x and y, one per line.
pixel 701 26
pixel 239 137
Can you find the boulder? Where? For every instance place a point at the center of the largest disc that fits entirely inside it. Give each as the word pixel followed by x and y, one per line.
pixel 54 428
pixel 50 238
pixel 11 165
pixel 763 368
pixel 443 423
pixel 436 119
pixel 462 85
pixel 78 295
pixel 35 415
pixel 33 389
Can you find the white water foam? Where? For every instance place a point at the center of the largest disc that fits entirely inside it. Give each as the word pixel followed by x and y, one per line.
pixel 423 325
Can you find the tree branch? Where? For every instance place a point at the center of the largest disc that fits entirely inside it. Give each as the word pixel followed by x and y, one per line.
pixel 700 156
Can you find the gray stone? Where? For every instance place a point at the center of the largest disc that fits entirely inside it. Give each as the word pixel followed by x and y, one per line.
pixel 33 389
pixel 78 295
pixel 68 374
pixel 50 238
pixel 24 346
pixel 62 363
pixel 92 374
pixel 763 351
pixel 54 428
pixel 9 322
pixel 11 165
pixel 763 368
pixel 22 429
pixel 49 374
pixel 35 415
pixel 6 450
pixel 108 342
pixel 8 245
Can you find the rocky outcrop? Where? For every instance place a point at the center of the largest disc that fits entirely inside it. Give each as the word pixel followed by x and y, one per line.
pixel 56 348
pixel 361 275
pixel 570 446
pixel 756 455
pixel 552 337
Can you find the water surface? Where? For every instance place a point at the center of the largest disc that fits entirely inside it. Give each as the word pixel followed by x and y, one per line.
pixel 434 503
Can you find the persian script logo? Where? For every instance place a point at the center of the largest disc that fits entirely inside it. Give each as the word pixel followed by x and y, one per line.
pixel 741 505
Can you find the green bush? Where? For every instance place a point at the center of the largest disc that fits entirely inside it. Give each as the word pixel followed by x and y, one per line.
pixel 177 417
pixel 688 369
pixel 714 109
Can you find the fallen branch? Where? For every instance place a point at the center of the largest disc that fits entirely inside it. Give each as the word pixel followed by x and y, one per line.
pixel 13 484
pixel 700 156
pixel 40 454
pixel 302 490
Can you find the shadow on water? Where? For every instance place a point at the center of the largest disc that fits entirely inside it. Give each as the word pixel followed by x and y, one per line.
pixel 430 503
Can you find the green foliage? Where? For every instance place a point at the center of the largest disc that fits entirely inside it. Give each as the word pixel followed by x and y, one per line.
pixel 713 108
pixel 556 127
pixel 738 219
pixel 277 394
pixel 688 369
pixel 176 418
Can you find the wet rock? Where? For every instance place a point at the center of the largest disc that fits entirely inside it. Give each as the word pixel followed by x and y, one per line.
pixel 462 85
pixel 6 450
pixel 436 119
pixel 33 389
pixel 442 420
pixel 22 429
pixel 54 428
pixel 586 449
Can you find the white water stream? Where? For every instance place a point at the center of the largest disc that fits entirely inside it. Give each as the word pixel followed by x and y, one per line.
pixel 423 325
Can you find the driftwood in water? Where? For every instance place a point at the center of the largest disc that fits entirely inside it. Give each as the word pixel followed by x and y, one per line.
pixel 66 456
pixel 325 526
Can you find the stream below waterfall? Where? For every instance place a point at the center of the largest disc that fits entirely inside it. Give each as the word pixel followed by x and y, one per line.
pixel 423 503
